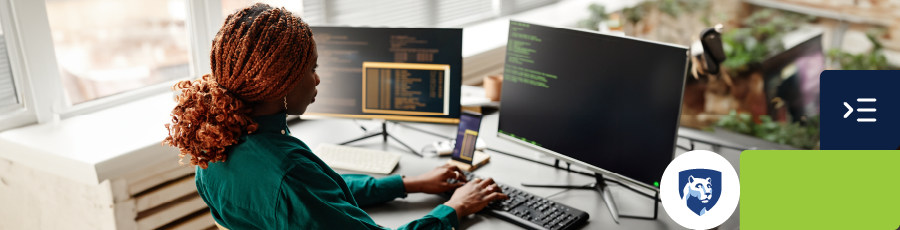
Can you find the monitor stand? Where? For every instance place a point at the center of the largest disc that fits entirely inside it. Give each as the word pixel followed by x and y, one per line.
pixel 384 133
pixel 600 186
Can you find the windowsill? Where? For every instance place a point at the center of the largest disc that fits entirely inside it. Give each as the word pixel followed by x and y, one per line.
pixel 98 146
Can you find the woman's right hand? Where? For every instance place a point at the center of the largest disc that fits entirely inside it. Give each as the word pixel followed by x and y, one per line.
pixel 474 196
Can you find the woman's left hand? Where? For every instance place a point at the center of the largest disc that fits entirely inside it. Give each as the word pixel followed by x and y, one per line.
pixel 435 182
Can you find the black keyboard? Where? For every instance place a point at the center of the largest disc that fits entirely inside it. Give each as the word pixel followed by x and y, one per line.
pixel 529 211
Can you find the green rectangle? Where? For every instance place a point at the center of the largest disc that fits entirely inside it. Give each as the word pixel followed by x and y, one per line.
pixel 820 189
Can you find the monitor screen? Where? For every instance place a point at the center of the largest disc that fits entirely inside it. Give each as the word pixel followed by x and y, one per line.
pixel 466 136
pixel 411 74
pixel 609 103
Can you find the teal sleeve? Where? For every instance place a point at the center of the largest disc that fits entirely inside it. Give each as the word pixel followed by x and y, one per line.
pixel 441 217
pixel 368 191
pixel 313 200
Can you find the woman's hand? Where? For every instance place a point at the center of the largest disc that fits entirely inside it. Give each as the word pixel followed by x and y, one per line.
pixel 474 196
pixel 435 182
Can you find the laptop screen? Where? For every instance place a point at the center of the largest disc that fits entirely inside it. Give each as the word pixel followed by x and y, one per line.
pixel 466 135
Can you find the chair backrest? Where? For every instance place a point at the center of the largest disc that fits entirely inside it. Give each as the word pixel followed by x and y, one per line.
pixel 220 226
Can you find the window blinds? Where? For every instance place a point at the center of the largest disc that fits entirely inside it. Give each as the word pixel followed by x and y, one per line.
pixel 410 13
pixel 9 100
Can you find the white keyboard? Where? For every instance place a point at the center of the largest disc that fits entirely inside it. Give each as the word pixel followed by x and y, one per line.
pixel 357 159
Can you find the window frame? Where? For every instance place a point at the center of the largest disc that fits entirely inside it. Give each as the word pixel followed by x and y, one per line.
pixel 203 22
pixel 15 28
pixel 35 69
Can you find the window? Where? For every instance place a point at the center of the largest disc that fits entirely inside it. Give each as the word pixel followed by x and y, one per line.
pixel 9 98
pixel 460 12
pixel 406 13
pixel 230 6
pixel 106 47
pixel 395 13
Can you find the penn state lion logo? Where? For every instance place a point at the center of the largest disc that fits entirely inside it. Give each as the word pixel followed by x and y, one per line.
pixel 701 189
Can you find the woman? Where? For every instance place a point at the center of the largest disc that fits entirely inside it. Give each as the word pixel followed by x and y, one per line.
pixel 252 173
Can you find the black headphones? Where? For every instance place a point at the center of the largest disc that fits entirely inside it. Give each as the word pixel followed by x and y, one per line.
pixel 711 39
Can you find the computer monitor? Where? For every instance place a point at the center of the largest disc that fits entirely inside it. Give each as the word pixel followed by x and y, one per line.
pixel 409 74
pixel 608 103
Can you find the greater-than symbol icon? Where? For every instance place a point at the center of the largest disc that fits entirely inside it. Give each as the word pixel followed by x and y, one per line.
pixel 849 110
pixel 866 110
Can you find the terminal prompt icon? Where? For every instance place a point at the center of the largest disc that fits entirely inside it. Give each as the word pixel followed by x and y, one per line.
pixel 862 110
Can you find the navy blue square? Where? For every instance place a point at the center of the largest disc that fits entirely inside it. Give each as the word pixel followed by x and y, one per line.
pixel 860 110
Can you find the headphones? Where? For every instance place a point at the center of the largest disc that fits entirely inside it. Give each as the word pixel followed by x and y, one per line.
pixel 711 39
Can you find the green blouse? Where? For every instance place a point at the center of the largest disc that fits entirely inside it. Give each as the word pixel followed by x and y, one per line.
pixel 272 180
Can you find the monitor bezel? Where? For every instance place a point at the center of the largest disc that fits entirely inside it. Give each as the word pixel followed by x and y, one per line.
pixel 590 167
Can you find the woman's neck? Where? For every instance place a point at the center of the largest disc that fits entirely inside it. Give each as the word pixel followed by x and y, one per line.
pixel 267 108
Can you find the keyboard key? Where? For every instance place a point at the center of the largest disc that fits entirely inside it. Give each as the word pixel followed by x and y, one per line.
pixel 564 223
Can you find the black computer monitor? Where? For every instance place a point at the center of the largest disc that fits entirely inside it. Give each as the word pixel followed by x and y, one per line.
pixel 607 103
pixel 409 74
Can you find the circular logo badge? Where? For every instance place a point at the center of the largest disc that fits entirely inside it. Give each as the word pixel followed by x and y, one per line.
pixel 700 189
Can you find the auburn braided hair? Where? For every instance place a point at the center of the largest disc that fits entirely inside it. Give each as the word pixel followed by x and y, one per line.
pixel 259 54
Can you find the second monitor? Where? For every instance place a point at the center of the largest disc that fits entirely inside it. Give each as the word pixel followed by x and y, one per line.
pixel 410 74
pixel 607 103
pixel 610 104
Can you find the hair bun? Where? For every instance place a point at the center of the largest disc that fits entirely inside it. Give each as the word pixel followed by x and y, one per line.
pixel 206 120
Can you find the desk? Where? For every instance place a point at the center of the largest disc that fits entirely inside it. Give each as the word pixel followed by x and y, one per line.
pixel 504 169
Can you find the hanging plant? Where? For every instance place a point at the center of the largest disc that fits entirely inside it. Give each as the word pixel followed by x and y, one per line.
pixel 760 38
pixel 597 14
pixel 874 60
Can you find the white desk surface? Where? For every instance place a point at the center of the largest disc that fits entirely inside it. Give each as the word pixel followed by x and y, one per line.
pixel 504 169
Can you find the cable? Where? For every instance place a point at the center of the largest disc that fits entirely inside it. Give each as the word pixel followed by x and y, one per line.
pixel 426 147
pixel 360 125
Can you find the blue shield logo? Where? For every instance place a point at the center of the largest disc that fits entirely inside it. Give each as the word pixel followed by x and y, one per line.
pixel 701 189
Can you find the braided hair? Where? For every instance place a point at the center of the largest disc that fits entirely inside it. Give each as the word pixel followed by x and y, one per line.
pixel 259 54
